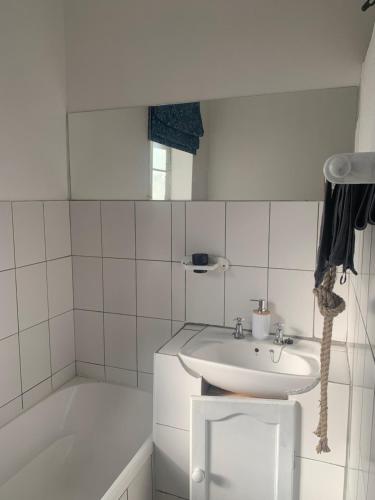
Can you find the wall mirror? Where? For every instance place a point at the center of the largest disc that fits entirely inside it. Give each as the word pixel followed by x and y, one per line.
pixel 265 147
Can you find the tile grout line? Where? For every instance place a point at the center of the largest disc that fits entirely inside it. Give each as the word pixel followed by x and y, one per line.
pixel 102 269
pixel 136 288
pixel 225 255
pixel 17 304
pixel 47 289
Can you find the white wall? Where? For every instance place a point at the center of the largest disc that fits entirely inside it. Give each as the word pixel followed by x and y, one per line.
pixel 110 154
pixel 139 52
pixel 32 100
pixel 273 147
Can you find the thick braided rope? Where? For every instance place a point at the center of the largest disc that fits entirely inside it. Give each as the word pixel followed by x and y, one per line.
pixel 330 305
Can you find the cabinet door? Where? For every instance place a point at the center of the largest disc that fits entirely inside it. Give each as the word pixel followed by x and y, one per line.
pixel 242 449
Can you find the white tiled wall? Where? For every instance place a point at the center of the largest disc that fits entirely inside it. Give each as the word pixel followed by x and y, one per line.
pixel 37 352
pixel 126 264
pixel 360 477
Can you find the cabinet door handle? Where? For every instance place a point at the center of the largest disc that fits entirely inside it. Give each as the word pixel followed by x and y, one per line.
pixel 197 475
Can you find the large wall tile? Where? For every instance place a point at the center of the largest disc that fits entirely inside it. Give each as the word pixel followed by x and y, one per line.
pixel 35 355
pixel 89 340
pixel 88 283
pixel 57 228
pixel 153 230
pixel 90 370
pixel 10 410
pixel 118 229
pixel 37 393
pixel 119 286
pixel 86 228
pixel 151 335
pixel 62 341
pixel 291 300
pixel 60 286
pixel 28 223
pixel 241 285
pixel 247 231
pixel 338 397
pixel 172 460
pixel 178 230
pixel 205 298
pixel 293 235
pixel 178 291
pixel 9 369
pixel 320 480
pixel 154 289
pixel 63 376
pixel 6 236
pixel 8 304
pixel 32 295
pixel 120 333
pixel 120 376
pixel 205 227
pixel 172 393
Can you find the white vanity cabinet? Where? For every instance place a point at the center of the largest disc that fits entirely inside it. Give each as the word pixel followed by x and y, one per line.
pixel 242 449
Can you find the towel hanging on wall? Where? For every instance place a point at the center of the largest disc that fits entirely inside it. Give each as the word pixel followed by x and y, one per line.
pixel 178 126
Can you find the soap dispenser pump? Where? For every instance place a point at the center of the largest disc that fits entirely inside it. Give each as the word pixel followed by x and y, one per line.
pixel 261 320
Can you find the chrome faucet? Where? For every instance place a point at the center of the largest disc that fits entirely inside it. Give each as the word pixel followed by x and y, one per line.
pixel 280 339
pixel 238 330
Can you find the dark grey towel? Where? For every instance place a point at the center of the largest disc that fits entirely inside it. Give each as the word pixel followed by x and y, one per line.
pixel 346 207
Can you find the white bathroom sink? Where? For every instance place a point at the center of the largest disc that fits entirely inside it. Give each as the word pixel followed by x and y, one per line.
pixel 250 366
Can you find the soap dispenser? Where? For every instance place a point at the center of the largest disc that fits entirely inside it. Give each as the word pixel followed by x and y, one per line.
pixel 261 320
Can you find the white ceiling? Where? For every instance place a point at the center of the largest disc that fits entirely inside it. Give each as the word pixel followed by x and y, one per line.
pixel 131 52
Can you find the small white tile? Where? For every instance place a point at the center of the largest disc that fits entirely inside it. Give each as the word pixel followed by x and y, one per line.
pixel 291 300
pixel 165 496
pixel 151 335
pixel 340 323
pixel 63 376
pixel 35 355
pixel 88 327
pixel 120 376
pixel 205 298
pixel 153 230
pixel 6 236
pixel 178 291
pixel 145 382
pixel 247 230
pixel 242 284
pixel 8 304
pixel 177 342
pixel 320 480
pixel 28 232
pixel 118 229
pixel 62 341
pixel 141 487
pixel 338 401
pixel 119 286
pixel 120 333
pixel 60 286
pixel 88 283
pixel 172 460
pixel 90 371
pixel 176 326
pixel 154 289
pixel 32 295
pixel 85 228
pixel 205 227
pixel 10 411
pixel 293 235
pixel 57 227
pixel 173 388
pixel 178 230
pixel 36 394
pixel 9 369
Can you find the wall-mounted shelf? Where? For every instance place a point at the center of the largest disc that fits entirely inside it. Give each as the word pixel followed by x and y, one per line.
pixel 214 264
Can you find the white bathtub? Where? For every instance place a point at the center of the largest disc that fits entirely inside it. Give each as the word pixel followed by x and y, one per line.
pixel 87 441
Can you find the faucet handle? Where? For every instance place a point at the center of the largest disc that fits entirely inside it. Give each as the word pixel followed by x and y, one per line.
pixel 239 320
pixel 279 326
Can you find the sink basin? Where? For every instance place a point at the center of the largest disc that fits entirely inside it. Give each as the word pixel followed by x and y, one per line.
pixel 250 366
